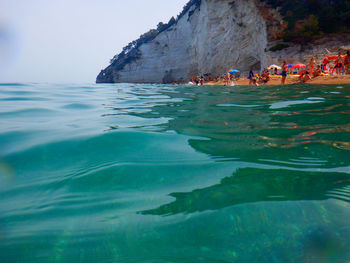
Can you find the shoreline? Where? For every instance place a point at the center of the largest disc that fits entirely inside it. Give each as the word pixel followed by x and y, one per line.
pixel 276 81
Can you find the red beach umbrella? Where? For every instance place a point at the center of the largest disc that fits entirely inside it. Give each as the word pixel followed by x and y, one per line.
pixel 299 66
pixel 332 57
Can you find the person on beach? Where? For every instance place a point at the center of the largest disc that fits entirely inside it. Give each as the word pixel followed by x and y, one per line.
pixel 251 77
pixel 284 72
pixel 194 81
pixel 201 80
pixel 312 64
pixel 301 75
pixel 317 72
pixel 265 76
pixel 347 62
pixel 223 79
pixel 339 62
pixel 198 81
pixel 325 62
pixel 232 83
pixel 228 79
pixel 305 76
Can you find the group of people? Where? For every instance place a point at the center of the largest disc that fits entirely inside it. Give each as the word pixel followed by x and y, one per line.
pixel 256 79
pixel 341 66
pixel 225 78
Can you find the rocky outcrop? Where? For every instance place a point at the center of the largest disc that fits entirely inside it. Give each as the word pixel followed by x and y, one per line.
pixel 209 38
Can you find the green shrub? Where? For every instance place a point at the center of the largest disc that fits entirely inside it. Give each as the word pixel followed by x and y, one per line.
pixel 309 18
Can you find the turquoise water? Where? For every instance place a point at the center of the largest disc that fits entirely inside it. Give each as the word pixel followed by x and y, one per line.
pixel 154 173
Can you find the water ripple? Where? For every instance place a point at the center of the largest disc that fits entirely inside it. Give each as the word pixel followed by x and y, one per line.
pixel 93 173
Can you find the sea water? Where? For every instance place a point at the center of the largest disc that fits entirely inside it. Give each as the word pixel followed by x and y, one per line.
pixel 159 173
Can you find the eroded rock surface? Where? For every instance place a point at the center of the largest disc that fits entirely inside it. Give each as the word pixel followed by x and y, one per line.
pixel 211 38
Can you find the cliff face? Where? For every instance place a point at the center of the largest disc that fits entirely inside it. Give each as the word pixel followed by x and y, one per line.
pixel 210 38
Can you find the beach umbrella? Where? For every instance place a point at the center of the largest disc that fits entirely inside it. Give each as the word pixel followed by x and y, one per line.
pixel 298 66
pixel 290 65
pixel 232 71
pixel 274 66
pixel 332 57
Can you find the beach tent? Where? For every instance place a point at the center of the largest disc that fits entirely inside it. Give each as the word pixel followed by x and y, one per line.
pixel 299 66
pixel 274 66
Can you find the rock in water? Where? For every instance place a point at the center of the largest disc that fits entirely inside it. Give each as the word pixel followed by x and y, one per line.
pixel 210 37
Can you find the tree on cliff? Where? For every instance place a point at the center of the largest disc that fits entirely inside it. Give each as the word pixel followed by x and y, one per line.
pixel 131 51
pixel 309 18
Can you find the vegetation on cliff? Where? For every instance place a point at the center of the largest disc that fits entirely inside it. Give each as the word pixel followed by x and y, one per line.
pixel 308 19
pixel 131 51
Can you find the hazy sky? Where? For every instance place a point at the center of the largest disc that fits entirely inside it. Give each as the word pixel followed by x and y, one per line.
pixel 71 40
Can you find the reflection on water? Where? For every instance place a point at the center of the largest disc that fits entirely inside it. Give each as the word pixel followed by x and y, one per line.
pixel 249 129
pixel 250 185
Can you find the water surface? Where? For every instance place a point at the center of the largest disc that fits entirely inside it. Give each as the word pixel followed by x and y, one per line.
pixel 156 173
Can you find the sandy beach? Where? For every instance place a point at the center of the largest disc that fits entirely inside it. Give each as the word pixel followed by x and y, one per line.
pixel 276 80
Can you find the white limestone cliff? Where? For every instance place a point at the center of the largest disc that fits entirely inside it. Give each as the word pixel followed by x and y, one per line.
pixel 210 38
